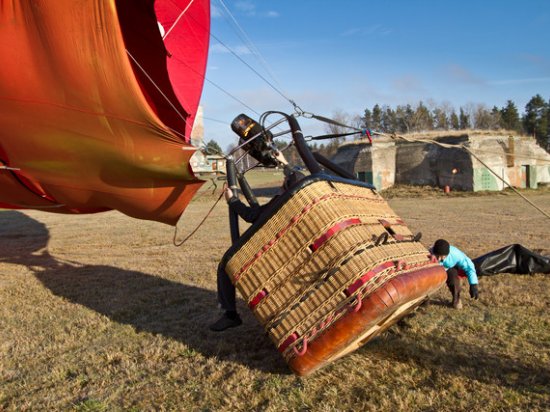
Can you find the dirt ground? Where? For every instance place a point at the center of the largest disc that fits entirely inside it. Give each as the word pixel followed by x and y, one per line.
pixel 102 312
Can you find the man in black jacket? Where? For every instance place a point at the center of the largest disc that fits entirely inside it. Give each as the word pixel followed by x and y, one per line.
pixel 226 289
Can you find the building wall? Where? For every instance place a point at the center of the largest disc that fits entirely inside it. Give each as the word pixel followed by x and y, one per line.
pixel 497 153
pixel 347 158
pixel 197 134
pixel 426 164
pixel 543 174
pixel 383 164
pixel 198 160
pixel 371 164
pixel 453 168
pixel 517 160
pixel 201 163
pixel 414 165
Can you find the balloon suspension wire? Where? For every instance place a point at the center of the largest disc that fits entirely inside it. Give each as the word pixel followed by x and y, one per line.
pixel 253 70
pixel 177 20
pixel 253 49
pixel 159 89
pixel 256 72
pixel 217 87
pixel 394 136
pixel 251 46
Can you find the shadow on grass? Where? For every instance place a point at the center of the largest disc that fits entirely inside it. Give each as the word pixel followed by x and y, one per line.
pixel 450 356
pixel 181 312
pixel 146 302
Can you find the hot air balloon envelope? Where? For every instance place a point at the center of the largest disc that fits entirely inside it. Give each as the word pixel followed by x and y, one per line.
pixel 96 108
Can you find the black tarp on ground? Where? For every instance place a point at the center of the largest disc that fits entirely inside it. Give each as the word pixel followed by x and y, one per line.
pixel 512 259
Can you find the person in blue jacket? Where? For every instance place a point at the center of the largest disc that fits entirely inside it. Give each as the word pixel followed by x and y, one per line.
pixel 455 263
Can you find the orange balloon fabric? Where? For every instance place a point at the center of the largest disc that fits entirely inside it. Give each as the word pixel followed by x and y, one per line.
pixel 90 119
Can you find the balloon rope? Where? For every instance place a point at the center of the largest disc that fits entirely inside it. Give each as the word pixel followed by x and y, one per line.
pixel 506 183
pixel 177 20
pixel 157 87
pixel 176 243
pixel 467 149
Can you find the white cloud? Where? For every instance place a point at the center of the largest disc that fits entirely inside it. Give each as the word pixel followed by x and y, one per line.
pixel 215 12
pixel 351 32
pixel 541 63
pixel 238 50
pixel 408 83
pixel 246 7
pixel 249 8
pixel 461 74
pixel 377 30
pixel 519 81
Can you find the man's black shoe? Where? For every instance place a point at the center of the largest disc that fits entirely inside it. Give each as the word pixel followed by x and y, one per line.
pixel 226 322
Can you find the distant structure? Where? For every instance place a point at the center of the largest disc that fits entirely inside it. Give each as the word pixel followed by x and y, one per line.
pixel 200 161
pixel 197 134
pixel 519 160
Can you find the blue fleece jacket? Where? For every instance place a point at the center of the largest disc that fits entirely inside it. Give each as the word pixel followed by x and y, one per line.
pixel 458 259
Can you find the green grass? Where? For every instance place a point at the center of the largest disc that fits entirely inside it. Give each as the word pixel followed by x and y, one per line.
pixel 102 313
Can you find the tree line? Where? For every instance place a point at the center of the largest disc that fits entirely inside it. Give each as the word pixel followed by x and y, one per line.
pixel 535 121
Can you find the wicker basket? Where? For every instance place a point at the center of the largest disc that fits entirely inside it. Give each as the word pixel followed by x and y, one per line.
pixel 329 269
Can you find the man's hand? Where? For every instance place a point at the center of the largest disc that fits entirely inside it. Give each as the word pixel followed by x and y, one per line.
pixel 228 194
pixel 280 157
pixel 473 292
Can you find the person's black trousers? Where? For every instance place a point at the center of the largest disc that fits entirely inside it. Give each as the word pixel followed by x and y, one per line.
pixel 226 291
pixel 453 283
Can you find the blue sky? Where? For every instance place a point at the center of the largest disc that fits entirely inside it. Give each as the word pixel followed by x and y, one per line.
pixel 348 55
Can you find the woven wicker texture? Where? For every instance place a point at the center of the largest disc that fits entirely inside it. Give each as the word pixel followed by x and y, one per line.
pixel 303 261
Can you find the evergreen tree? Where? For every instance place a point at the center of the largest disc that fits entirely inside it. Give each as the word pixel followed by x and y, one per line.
pixel 422 118
pixel 535 120
pixel 212 147
pixel 366 120
pixel 405 120
pixel 388 120
pixel 400 119
pixel 440 119
pixel 376 117
pixel 495 118
pixel 454 122
pixel 463 120
pixel 509 117
pixel 409 118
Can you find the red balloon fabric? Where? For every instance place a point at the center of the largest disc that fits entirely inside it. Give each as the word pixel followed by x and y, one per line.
pixel 96 108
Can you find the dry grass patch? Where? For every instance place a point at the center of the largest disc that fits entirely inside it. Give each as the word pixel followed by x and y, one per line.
pixel 102 312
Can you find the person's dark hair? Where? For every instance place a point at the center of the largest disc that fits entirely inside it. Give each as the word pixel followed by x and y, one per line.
pixel 441 247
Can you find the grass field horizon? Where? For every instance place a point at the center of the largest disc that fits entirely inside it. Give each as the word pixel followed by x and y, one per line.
pixel 103 313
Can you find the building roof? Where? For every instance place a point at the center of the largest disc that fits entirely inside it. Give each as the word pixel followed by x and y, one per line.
pixel 440 135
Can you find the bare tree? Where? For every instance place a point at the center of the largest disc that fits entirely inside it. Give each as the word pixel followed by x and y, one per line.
pixel 338 116
pixel 483 118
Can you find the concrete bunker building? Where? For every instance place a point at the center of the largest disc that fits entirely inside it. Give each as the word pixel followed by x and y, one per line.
pixel 519 160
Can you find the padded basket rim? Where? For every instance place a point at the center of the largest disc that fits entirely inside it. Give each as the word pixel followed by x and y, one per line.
pixel 280 201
